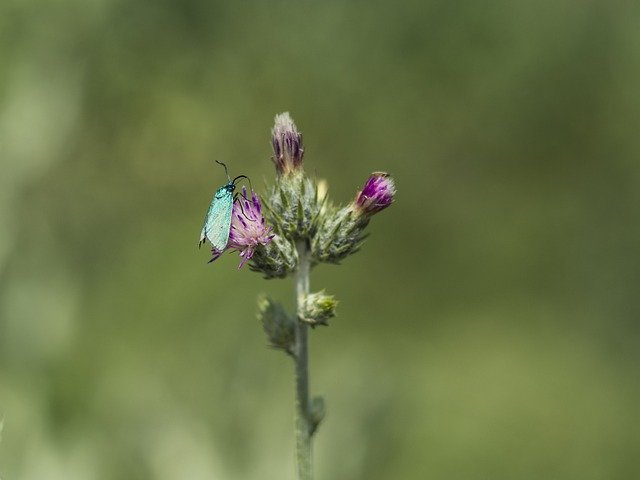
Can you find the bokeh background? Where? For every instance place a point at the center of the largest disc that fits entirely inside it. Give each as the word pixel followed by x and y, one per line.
pixel 488 329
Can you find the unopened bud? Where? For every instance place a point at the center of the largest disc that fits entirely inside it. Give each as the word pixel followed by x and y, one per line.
pixel 317 308
pixel 287 145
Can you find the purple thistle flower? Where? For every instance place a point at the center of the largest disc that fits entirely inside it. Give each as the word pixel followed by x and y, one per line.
pixel 287 144
pixel 248 228
pixel 377 194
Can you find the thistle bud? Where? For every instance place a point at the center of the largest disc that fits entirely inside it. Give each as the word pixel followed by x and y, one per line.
pixel 277 259
pixel 318 308
pixel 277 324
pixel 287 145
pixel 294 206
pixel 377 194
pixel 341 231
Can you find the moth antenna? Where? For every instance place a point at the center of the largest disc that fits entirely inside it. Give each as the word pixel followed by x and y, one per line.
pixel 225 170
pixel 243 176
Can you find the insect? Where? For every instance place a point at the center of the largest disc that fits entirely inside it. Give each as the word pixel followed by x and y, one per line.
pixel 217 221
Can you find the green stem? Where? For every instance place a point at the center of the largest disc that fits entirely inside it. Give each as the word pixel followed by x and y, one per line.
pixel 303 424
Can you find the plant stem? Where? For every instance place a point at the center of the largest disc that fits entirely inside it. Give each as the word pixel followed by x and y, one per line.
pixel 303 425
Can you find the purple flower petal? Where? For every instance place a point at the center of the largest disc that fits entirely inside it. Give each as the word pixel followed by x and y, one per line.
pixel 377 194
pixel 287 144
pixel 248 229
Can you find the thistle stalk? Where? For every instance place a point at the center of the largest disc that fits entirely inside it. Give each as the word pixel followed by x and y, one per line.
pixel 301 359
pixel 298 229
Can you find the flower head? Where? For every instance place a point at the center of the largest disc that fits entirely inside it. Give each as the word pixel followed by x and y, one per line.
pixel 377 194
pixel 287 145
pixel 248 228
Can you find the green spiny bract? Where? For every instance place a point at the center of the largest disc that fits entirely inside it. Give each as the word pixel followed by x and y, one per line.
pixel 277 259
pixel 340 234
pixel 294 206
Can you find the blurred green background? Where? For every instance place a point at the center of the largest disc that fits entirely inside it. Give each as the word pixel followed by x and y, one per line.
pixel 489 327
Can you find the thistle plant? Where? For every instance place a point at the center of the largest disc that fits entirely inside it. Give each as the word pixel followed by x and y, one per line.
pixel 286 234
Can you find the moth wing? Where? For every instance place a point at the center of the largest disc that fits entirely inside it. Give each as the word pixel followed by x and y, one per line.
pixel 217 222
